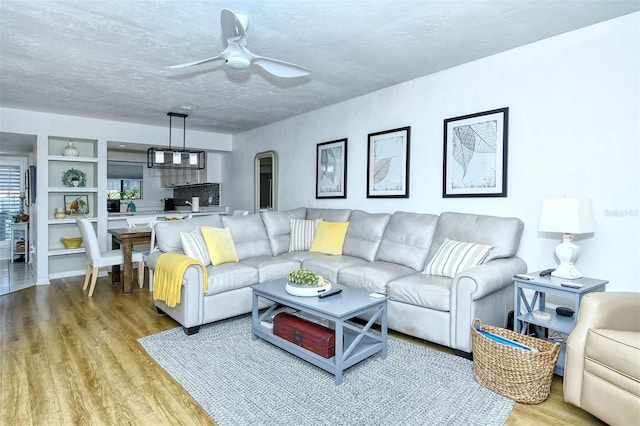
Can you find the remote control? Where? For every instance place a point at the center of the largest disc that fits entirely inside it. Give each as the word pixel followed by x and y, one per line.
pixel 546 272
pixel 330 293
pixel 571 285
pixel 377 295
pixel 523 276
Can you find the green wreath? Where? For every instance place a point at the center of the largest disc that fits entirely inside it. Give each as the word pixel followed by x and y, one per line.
pixel 74 174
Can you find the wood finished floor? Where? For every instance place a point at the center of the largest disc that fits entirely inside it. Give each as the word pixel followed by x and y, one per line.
pixel 67 359
pixel 15 276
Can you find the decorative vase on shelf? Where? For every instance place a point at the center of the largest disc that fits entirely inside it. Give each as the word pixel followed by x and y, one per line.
pixel 70 150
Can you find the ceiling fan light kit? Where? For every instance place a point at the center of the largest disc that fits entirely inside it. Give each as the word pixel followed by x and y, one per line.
pixel 167 158
pixel 238 57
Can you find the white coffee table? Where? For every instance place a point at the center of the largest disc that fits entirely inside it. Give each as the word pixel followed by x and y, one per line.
pixel 359 341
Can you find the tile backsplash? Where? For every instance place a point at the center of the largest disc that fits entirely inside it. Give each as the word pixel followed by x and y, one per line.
pixel 206 192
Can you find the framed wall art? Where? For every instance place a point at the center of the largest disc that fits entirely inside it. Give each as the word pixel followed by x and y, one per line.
pixel 331 169
pixel 76 204
pixel 388 164
pixel 475 155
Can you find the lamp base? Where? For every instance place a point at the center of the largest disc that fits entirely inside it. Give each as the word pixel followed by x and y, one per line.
pixel 567 252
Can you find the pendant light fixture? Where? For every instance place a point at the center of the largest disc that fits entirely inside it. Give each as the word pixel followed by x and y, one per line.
pixel 176 158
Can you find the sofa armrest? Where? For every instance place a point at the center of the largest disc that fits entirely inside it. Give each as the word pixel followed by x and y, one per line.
pixel 190 311
pixel 487 278
pixel 615 311
pixel 152 259
pixel 482 292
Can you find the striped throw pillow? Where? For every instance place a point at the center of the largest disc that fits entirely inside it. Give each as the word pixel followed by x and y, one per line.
pixel 301 233
pixel 193 245
pixel 454 257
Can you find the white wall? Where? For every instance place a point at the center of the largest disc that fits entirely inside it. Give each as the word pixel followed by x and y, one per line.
pixel 573 129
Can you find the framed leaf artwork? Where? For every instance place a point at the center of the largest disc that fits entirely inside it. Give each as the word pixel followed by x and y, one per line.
pixel 331 169
pixel 475 155
pixel 388 164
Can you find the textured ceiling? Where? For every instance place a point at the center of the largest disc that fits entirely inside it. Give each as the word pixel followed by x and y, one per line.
pixel 107 59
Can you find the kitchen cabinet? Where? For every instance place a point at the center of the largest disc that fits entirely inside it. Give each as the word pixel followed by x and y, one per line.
pixel 172 177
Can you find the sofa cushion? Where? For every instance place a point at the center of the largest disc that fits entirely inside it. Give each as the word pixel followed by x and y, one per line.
pixel 372 276
pixel 272 268
pixel 331 215
pixel 302 234
pixel 277 225
pixel 230 276
pixel 220 245
pixel 329 238
pixel 168 231
pixel 365 234
pixel 454 257
pixel 428 291
pixel 502 233
pixel 249 235
pixel 328 265
pixel 407 239
pixel 194 246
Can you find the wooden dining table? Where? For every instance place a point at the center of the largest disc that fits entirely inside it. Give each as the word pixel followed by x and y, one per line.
pixel 125 239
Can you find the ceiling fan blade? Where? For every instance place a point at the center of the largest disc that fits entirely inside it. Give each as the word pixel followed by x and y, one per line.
pixel 281 68
pixel 201 61
pixel 234 26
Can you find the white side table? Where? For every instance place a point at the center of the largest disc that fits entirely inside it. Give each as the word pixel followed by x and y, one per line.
pixel 541 286
pixel 20 230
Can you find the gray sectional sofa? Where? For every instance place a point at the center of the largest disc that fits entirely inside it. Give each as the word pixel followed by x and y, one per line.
pixel 382 252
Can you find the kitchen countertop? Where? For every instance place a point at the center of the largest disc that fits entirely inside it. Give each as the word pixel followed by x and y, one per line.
pixel 162 213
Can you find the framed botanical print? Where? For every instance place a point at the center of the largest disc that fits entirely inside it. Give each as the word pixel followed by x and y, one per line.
pixel 331 169
pixel 475 155
pixel 388 164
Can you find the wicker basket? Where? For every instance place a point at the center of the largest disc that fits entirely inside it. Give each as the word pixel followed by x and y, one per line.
pixel 524 376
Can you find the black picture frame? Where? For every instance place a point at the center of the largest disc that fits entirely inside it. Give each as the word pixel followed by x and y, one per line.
pixel 331 169
pixel 475 154
pixel 388 158
pixel 32 185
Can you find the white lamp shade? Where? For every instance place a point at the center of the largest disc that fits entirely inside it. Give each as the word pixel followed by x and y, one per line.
pixel 567 216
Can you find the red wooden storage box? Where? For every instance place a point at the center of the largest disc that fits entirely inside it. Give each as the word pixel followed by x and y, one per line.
pixel 311 336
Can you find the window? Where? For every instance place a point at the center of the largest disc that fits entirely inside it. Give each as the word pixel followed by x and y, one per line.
pixel 124 189
pixel 9 197
pixel 124 180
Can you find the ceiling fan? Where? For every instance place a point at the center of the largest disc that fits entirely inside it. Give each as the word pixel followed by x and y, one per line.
pixel 237 56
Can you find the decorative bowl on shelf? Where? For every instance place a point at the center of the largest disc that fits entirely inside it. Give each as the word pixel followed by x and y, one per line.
pixel 71 243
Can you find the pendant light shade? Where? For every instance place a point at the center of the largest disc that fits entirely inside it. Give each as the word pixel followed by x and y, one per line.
pixel 176 158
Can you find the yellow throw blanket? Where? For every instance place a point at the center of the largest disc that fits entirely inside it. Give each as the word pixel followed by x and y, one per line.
pixel 167 277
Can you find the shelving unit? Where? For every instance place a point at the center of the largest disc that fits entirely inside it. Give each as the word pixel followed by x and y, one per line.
pixel 19 231
pixel 541 287
pixel 65 262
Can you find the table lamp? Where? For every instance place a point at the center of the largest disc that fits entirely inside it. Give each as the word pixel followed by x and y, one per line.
pixel 568 216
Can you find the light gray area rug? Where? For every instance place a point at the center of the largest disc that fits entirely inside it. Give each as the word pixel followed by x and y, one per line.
pixel 243 382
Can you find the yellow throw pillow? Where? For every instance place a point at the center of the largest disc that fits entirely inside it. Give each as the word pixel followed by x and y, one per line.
pixel 220 245
pixel 329 237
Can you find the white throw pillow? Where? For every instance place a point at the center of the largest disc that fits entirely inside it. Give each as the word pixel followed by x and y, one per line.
pixel 301 234
pixel 454 257
pixel 193 245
